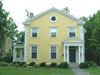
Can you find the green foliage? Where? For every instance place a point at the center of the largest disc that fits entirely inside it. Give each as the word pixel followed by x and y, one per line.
pixel 25 65
pixel 84 65
pixel 8 57
pixel 16 64
pixel 36 65
pixel 32 64
pixel 66 10
pixel 63 65
pixel 43 64
pixel 10 64
pixel 3 64
pixel 53 64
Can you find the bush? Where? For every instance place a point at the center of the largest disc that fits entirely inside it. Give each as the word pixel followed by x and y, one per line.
pixel 8 57
pixel 43 64
pixel 53 64
pixel 10 64
pixel 3 64
pixel 92 64
pixel 24 65
pixel 32 64
pixel 21 63
pixel 36 65
pixel 16 64
pixel 63 65
pixel 84 65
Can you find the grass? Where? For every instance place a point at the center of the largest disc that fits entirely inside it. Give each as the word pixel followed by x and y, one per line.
pixel 34 71
pixel 93 70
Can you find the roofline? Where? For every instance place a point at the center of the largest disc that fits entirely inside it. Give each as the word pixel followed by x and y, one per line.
pixel 27 22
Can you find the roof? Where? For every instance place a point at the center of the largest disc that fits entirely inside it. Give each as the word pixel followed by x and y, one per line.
pixel 80 22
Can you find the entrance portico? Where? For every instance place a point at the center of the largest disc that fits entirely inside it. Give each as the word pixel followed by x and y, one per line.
pixel 74 52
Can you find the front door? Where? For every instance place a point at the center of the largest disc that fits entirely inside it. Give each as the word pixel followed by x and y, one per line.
pixel 72 54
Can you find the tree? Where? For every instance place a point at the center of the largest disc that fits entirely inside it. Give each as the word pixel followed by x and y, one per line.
pixel 66 10
pixel 8 28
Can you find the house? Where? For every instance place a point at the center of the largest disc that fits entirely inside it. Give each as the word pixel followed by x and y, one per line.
pixel 7 46
pixel 53 36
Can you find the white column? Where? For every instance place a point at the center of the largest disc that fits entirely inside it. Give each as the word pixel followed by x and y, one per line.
pixel 67 54
pixel 64 53
pixel 82 54
pixel 20 53
pixel 79 54
pixel 14 54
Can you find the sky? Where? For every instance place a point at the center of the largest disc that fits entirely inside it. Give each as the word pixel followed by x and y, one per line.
pixel 78 8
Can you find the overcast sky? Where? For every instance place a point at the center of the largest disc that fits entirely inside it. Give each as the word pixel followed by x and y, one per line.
pixel 78 8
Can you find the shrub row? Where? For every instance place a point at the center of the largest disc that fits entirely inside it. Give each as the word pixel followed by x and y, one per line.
pixel 43 64
pixel 88 64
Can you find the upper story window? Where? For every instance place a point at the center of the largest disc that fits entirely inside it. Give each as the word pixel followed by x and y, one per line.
pixel 53 32
pixel 34 51
pixel 34 32
pixel 53 49
pixel 72 31
pixel 53 18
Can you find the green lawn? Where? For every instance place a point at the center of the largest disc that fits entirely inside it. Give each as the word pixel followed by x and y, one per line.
pixel 93 71
pixel 34 71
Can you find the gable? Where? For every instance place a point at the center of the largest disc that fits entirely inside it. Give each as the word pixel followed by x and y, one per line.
pixel 53 10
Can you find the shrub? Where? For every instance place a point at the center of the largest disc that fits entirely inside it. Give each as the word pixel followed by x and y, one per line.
pixel 24 65
pixel 36 65
pixel 21 63
pixel 94 65
pixel 53 64
pixel 43 64
pixel 8 57
pixel 63 65
pixel 32 64
pixel 3 64
pixel 10 64
pixel 16 64
pixel 84 65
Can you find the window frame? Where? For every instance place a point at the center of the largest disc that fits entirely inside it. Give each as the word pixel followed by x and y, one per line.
pixel 31 51
pixel 32 32
pixel 55 20
pixel 56 32
pixel 72 31
pixel 56 52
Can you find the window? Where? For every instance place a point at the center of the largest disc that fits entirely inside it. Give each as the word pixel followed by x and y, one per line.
pixel 72 31
pixel 53 52
pixel 34 51
pixel 34 32
pixel 53 32
pixel 53 18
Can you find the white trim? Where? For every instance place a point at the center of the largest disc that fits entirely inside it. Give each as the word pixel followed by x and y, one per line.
pixel 55 17
pixel 37 32
pixel 57 10
pixel 64 53
pixel 56 32
pixel 31 51
pixel 56 51
pixel 79 54
pixel 81 32
pixel 68 54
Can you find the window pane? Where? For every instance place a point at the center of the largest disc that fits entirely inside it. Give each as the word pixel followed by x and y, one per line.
pixel 53 34
pixel 34 51
pixel 53 55
pixel 34 30
pixel 34 34
pixel 34 55
pixel 72 34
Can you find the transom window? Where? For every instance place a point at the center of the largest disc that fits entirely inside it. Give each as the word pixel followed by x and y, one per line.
pixel 53 32
pixel 34 51
pixel 34 32
pixel 53 52
pixel 72 31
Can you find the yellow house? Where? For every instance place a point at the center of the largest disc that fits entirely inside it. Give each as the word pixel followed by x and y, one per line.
pixel 54 36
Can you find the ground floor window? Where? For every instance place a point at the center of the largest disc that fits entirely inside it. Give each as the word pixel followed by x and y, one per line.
pixel 34 51
pixel 53 49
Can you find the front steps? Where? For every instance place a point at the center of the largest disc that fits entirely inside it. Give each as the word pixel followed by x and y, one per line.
pixel 73 65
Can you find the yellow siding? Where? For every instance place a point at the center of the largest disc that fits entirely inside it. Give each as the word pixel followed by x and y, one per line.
pixel 43 23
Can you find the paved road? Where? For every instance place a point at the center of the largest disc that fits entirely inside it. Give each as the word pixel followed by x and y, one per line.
pixel 79 71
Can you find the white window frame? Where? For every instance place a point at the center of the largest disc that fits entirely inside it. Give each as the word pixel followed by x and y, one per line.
pixel 56 32
pixel 56 52
pixel 31 52
pixel 32 31
pixel 72 31
pixel 55 20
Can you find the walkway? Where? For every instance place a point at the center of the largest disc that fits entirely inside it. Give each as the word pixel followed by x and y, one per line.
pixel 79 71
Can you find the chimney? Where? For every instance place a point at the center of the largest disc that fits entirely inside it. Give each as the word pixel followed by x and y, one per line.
pixel 31 15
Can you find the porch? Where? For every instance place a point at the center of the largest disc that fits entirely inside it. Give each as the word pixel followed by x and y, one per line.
pixel 74 52
pixel 18 53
